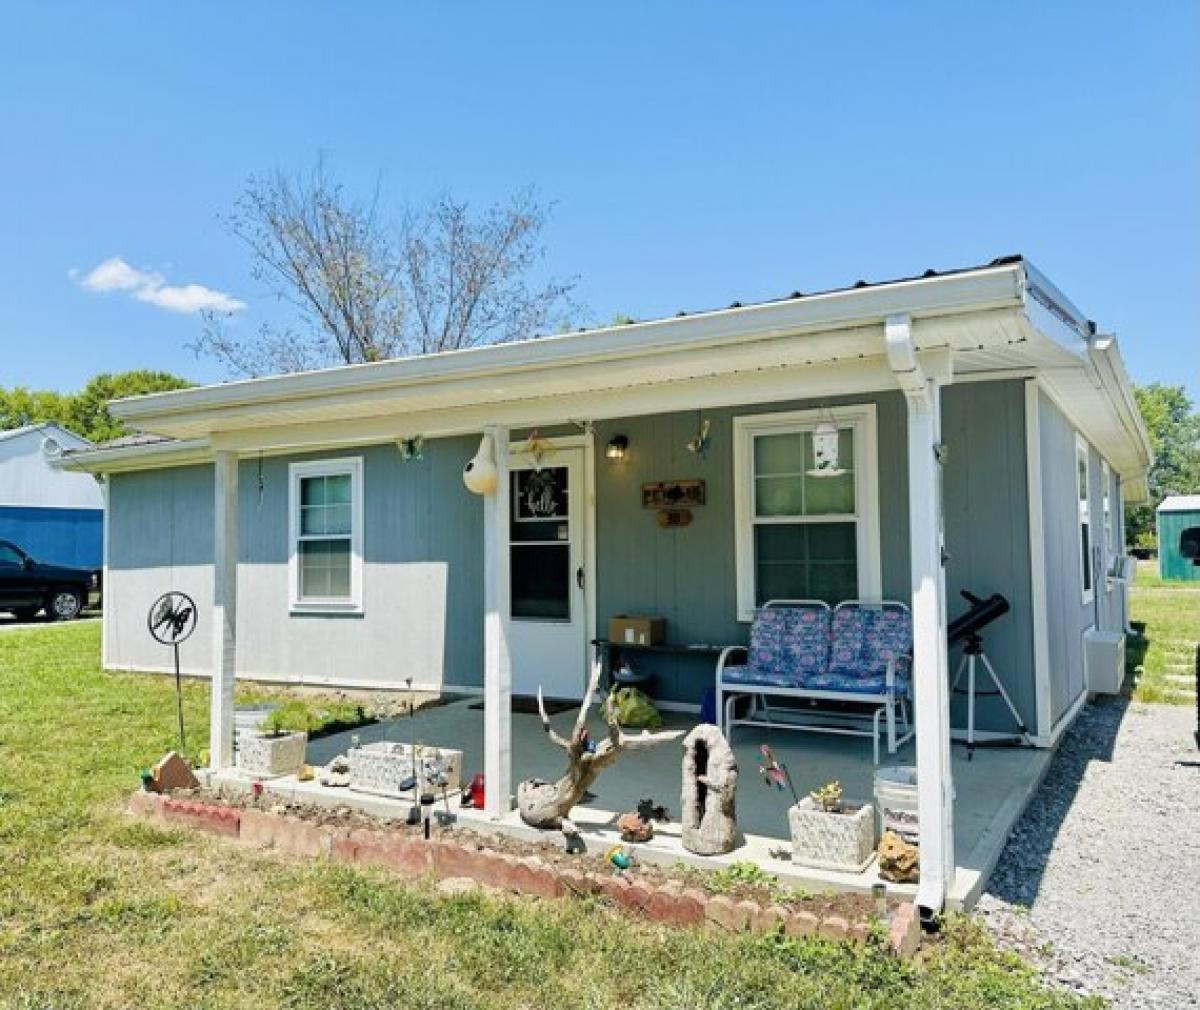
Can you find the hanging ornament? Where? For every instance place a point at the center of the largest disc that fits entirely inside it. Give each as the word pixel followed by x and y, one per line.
pixel 480 473
pixel 825 450
pixel 699 444
pixel 411 449
pixel 537 448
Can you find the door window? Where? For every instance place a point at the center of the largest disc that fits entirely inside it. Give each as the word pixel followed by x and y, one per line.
pixel 9 558
pixel 540 544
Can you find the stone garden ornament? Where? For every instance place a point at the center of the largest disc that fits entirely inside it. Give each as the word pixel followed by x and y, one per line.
pixel 544 804
pixel 710 774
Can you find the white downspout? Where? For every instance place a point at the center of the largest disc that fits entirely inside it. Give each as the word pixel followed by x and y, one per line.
pixel 935 788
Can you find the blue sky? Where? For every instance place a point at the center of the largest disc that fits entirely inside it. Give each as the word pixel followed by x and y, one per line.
pixel 697 153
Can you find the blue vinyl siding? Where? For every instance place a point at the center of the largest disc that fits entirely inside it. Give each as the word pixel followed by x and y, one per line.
pixel 73 537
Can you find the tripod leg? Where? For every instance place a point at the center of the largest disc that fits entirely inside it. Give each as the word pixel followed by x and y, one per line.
pixel 1004 694
pixel 962 665
pixel 970 707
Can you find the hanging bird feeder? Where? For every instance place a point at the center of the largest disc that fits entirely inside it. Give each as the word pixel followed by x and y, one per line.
pixel 826 462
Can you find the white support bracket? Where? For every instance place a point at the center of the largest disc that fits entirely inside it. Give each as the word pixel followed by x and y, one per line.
pixel 931 688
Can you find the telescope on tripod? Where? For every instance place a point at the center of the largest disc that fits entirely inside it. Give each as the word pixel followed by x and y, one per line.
pixel 966 628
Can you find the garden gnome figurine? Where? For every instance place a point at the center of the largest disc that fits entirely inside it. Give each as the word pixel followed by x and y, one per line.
pixel 710 775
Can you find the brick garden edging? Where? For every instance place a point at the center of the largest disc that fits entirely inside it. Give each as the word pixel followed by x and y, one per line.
pixel 414 856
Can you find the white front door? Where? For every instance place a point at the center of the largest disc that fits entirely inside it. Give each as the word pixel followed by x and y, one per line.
pixel 548 630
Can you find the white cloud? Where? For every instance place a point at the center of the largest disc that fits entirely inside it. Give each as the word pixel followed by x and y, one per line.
pixel 189 298
pixel 114 274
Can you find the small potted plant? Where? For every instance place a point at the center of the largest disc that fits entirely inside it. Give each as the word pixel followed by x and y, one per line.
pixel 276 747
pixel 831 834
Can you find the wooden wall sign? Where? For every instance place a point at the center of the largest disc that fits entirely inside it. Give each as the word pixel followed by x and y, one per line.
pixel 674 518
pixel 673 494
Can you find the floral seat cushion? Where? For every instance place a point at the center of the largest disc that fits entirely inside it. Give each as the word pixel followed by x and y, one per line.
pixel 787 645
pixel 874 684
pixel 865 640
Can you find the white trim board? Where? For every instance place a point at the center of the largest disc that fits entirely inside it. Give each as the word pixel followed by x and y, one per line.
pixel 1037 557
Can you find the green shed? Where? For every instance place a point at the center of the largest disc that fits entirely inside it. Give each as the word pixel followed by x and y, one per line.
pixel 1179 537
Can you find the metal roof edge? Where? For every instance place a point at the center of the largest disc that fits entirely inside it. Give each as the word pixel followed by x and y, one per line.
pixel 963 291
pixel 109 459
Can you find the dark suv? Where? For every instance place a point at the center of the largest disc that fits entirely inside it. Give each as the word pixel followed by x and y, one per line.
pixel 27 586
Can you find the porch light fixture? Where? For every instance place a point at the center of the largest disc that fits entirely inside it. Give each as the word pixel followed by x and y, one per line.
pixel 825 450
pixel 617 447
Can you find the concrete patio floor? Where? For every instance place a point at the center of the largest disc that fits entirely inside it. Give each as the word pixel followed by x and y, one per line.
pixel 991 791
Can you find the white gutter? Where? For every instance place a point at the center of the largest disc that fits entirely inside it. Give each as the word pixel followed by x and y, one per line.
pixel 988 287
pixel 111 459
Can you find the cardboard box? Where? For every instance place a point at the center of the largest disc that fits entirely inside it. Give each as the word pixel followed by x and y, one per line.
pixel 626 629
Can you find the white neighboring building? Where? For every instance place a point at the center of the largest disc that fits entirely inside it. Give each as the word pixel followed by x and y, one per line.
pixel 54 515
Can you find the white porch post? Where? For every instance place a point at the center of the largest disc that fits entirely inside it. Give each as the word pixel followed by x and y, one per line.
pixel 497 674
pixel 224 613
pixel 935 788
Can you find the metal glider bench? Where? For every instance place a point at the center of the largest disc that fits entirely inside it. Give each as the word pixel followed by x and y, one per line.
pixel 802 649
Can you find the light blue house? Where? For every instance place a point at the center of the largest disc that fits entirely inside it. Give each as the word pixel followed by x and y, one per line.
pixel 986 440
pixel 54 515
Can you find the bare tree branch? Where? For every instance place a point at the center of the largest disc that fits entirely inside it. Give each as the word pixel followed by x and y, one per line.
pixel 452 279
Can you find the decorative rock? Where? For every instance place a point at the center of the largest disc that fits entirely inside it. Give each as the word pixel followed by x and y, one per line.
pixel 336 773
pixel 710 775
pixel 899 861
pixel 634 829
pixel 173 772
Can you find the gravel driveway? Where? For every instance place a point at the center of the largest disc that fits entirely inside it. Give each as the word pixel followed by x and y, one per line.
pixel 1100 882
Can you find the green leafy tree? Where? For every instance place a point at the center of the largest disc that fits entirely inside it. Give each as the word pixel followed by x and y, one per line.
pixel 1174 430
pixel 86 413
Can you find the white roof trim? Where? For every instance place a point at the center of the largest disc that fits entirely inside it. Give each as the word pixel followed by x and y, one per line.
pixel 1002 318
pixel 45 426
pixel 1180 503
pixel 987 287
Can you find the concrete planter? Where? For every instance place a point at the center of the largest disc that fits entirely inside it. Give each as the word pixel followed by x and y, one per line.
pixel 841 841
pixel 266 755
pixel 385 769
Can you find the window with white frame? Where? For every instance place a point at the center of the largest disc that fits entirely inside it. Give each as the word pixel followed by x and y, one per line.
pixel 325 560
pixel 802 534
pixel 1085 517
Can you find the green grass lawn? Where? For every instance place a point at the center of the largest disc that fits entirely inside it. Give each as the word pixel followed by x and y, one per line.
pixel 1168 614
pixel 97 910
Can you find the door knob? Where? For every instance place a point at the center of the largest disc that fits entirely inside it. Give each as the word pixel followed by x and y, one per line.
pixel 579 576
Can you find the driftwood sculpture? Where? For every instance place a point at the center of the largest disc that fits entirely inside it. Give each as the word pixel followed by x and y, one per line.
pixel 544 804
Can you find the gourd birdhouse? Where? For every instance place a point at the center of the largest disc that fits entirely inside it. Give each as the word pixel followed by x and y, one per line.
pixel 480 475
